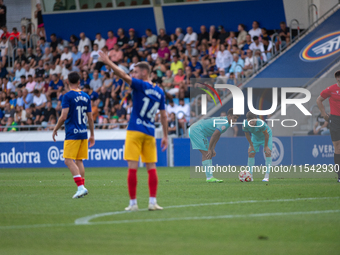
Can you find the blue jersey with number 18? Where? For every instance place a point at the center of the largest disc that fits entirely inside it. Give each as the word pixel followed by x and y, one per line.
pixel 79 104
pixel 146 99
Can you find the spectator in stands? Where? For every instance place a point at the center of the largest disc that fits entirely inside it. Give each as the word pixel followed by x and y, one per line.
pixel 13 99
pixel 30 86
pixel 250 64
pixel 247 44
pixel 159 67
pixel 93 94
pixel 43 44
pixel 40 83
pixel 107 81
pixel 67 68
pixel 122 40
pixel 111 40
pixel 213 34
pixel 204 51
pixel 100 41
pixel 195 66
pixel 242 34
pixel 203 35
pixel 74 41
pixel 40 21
pixel 55 87
pixel 4 50
pixel 179 35
pixel 173 39
pixel 58 6
pixel 179 78
pixel 120 111
pixel 47 113
pixel 163 36
pixel 96 83
pixel 190 51
pixel 85 79
pixel 213 48
pixel 35 114
pixel 258 47
pixel 116 54
pixel 224 58
pixel 84 41
pixel 20 100
pixel 14 36
pixel 232 80
pixel 163 51
pixel 23 38
pixel 18 72
pixel 255 31
pixel 222 77
pixel 29 70
pixel 20 56
pixel 54 42
pixel 7 85
pixel 168 81
pixel 268 47
pixel 55 69
pixel 135 60
pixel 47 57
pixel 85 58
pixel 155 78
pixel 223 35
pixel 39 54
pixel 39 99
pixel 76 56
pixel 237 66
pixel 183 113
pixel 22 83
pixel 3 14
pixel 56 57
pixel 265 34
pixel 190 37
pixel 320 126
pixel 284 34
pixel 94 57
pixel 154 53
pixel 131 49
pixel 172 127
pixel 67 55
pixel 8 112
pixel 31 58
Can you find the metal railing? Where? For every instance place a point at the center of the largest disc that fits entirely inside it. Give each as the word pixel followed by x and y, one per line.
pixel 14 47
pixel 298 28
pixel 310 13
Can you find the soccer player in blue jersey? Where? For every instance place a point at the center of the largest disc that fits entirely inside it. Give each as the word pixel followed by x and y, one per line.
pixel 76 112
pixel 261 134
pixel 199 133
pixel 140 141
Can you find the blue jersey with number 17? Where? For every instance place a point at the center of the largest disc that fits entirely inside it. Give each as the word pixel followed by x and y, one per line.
pixel 146 99
pixel 79 104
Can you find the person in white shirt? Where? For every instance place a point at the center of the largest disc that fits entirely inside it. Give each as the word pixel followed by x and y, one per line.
pixel 67 55
pixel 66 70
pixel 100 41
pixel 255 31
pixel 4 49
pixel 29 70
pixel 183 113
pixel 222 78
pixel 55 69
pixel 94 56
pixel 7 84
pixel 259 49
pixel 224 58
pixel 190 37
pixel 171 107
pixel 268 47
pixel 84 41
pixel 39 99
pixel 250 63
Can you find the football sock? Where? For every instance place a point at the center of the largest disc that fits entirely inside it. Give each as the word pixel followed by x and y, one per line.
pixel 83 181
pixel 153 182
pixel 79 181
pixel 337 164
pixel 132 183
pixel 268 164
pixel 133 202
pixel 152 200
pixel 207 166
pixel 251 163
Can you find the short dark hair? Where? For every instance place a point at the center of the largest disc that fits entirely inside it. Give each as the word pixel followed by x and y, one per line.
pixel 144 66
pixel 251 116
pixel 22 76
pixel 148 29
pixel 255 38
pixel 282 23
pixel 230 112
pixel 337 74
pixel 43 38
pixel 243 26
pixel 29 75
pixel 53 34
pixel 73 77
pixel 35 92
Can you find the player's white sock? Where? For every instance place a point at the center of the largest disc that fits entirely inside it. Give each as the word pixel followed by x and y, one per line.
pixel 81 187
pixel 152 200
pixel 207 167
pixel 251 163
pixel 268 164
pixel 133 202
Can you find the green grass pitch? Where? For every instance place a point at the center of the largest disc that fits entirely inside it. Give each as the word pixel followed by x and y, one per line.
pixel 37 215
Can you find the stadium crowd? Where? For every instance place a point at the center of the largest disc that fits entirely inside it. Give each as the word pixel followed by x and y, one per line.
pixel 32 91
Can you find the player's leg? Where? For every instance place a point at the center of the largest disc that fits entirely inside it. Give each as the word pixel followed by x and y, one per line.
pixel 268 159
pixel 251 157
pixel 336 145
pixel 149 157
pixel 71 148
pixel 201 143
pixel 133 147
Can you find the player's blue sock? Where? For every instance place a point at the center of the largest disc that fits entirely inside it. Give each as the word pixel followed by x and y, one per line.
pixel 268 164
pixel 207 165
pixel 251 163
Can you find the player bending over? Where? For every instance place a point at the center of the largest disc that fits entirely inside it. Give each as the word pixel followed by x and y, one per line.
pixel 333 93
pixel 76 111
pixel 140 136
pixel 199 133
pixel 261 134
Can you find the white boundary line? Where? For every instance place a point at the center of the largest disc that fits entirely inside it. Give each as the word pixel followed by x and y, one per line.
pixel 85 220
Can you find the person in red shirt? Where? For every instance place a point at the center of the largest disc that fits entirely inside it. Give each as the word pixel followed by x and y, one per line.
pixel 333 93
pixel 14 36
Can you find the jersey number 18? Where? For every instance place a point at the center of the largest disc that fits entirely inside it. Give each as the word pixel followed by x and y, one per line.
pixel 82 117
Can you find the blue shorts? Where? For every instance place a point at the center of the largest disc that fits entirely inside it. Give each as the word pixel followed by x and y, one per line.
pixel 197 140
pixel 258 143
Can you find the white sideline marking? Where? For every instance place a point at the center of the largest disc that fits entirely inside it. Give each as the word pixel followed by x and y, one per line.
pixel 86 220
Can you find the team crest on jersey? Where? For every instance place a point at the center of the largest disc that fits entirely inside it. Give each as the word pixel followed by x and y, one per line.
pixel 322 47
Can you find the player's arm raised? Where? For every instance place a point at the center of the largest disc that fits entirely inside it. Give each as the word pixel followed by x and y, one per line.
pixel 117 71
pixel 91 126
pixel 164 121
pixel 213 141
pixel 319 102
pixel 61 120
